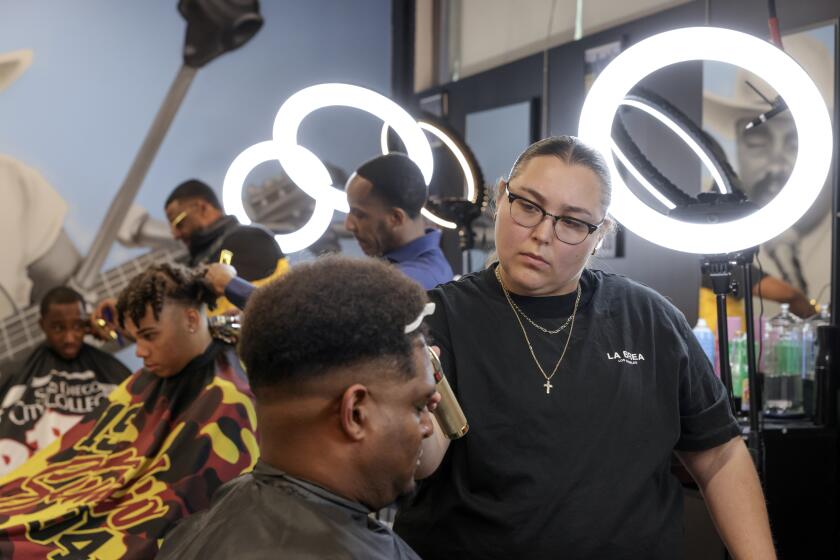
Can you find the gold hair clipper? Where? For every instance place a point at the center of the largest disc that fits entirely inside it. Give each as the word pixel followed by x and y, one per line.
pixel 226 256
pixel 449 415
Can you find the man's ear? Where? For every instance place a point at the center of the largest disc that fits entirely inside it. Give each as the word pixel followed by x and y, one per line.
pixel 200 207
pixel 194 318
pixel 354 412
pixel 206 211
pixel 397 217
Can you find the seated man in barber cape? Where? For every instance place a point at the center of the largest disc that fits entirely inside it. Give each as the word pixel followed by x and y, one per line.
pixel 165 440
pixel 344 390
pixel 62 380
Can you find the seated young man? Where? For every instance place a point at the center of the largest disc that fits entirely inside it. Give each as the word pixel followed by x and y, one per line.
pixel 169 436
pixel 343 400
pixel 62 380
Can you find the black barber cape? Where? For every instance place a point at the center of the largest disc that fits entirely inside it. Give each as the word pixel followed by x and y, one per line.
pixel 268 514
pixel 48 396
pixel 583 472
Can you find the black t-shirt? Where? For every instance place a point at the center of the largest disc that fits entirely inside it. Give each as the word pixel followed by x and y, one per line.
pixel 582 472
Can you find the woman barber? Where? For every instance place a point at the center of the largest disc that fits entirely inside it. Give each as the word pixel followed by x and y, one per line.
pixel 578 385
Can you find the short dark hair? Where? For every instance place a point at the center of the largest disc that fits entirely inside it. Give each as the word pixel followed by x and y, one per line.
pixel 159 283
pixel 193 188
pixel 59 295
pixel 397 181
pixel 332 312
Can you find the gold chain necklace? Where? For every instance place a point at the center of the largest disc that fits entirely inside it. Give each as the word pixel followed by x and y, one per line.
pixel 540 327
pixel 548 386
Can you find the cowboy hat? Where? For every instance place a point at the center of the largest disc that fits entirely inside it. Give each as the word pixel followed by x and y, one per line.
pixel 12 65
pixel 720 112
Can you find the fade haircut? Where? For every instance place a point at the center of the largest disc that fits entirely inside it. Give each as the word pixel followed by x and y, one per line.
pixel 335 312
pixel 60 295
pixel 161 283
pixel 397 181
pixel 193 188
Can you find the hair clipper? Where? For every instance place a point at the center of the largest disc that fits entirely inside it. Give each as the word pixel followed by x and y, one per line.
pixel 449 415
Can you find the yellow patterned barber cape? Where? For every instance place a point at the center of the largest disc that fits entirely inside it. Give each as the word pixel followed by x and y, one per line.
pixel 113 485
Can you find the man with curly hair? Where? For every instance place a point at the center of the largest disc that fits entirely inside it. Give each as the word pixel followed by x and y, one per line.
pixel 344 390
pixel 165 440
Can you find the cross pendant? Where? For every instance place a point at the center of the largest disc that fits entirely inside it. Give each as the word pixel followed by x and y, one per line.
pixel 548 386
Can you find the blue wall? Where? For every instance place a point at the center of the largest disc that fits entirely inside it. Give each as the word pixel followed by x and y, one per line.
pixel 101 69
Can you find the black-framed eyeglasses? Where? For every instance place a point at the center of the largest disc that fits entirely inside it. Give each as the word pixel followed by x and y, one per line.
pixel 528 213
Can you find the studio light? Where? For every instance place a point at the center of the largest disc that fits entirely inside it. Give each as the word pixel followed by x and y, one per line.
pixel 305 169
pixel 674 127
pixel 793 84
pixel 456 151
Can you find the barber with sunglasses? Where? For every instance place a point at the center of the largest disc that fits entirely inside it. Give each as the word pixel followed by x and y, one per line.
pixel 197 219
pixel 578 386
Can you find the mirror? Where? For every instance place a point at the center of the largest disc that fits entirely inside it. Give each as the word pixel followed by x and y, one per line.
pixel 763 156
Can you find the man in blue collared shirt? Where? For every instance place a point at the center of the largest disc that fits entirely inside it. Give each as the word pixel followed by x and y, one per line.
pixel 386 195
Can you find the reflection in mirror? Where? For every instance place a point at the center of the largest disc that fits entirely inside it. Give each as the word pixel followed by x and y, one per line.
pixel 763 156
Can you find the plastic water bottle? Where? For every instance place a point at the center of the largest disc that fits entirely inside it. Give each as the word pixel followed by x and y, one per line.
pixel 706 338
pixel 783 375
pixel 738 366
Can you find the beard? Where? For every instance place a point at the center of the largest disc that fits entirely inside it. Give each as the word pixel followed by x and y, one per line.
pixel 766 188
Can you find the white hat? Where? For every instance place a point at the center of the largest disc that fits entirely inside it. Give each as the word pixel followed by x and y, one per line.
pixel 721 113
pixel 12 65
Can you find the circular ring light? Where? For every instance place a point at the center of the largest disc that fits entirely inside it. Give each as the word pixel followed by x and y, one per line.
pixel 454 149
pixel 383 141
pixel 262 152
pixel 305 169
pixel 804 101
pixel 683 135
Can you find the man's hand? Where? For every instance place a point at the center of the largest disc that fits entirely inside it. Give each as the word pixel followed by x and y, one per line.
pixel 103 320
pixel 219 275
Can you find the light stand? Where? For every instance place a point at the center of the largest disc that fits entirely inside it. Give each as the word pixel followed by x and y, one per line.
pixel 463 213
pixel 714 208
pixel 719 269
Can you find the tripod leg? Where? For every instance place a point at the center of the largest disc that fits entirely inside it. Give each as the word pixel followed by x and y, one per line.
pixel 754 442
pixel 723 349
